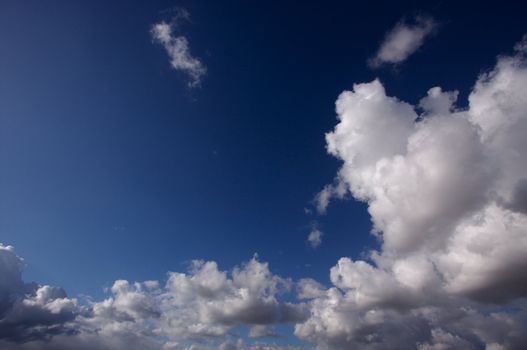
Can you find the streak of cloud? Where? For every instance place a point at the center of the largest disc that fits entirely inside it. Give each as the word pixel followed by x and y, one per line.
pixel 177 48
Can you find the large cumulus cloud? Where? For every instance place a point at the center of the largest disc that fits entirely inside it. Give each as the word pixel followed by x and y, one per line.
pixel 446 191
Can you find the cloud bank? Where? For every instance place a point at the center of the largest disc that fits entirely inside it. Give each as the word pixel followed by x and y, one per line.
pixel 403 40
pixel 177 48
pixel 201 307
pixel 445 189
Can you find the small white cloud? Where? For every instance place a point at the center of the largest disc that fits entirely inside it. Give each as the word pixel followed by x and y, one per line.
pixel 177 48
pixel 315 238
pixel 336 190
pixel 260 331
pixel 403 40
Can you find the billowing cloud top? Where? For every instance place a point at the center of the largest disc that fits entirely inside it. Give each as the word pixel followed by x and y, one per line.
pixel 403 40
pixel 446 194
pixel 201 306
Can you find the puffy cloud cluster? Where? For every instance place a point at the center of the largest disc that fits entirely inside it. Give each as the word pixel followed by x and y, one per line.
pixel 201 307
pixel 209 303
pixel 403 40
pixel 177 48
pixel 446 191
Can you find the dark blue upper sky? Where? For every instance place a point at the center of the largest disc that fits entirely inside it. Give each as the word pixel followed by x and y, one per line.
pixel 111 167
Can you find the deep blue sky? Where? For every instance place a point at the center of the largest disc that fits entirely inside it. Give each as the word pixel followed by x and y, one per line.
pixel 111 167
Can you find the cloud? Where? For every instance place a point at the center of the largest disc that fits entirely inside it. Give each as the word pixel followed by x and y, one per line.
pixel 315 238
pixel 198 307
pixel 335 190
pixel 446 191
pixel 177 48
pixel 241 345
pixel 207 302
pixel 309 289
pixel 403 40
pixel 29 311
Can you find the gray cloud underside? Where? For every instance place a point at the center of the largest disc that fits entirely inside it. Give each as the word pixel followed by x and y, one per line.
pixel 446 193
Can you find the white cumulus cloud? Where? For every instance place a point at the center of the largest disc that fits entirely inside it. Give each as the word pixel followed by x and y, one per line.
pixel 446 193
pixel 201 306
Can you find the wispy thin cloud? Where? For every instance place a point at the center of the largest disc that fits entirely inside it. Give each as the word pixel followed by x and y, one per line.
pixel 336 190
pixel 315 238
pixel 177 47
pixel 403 40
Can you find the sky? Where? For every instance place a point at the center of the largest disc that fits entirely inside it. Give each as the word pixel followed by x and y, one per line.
pixel 263 175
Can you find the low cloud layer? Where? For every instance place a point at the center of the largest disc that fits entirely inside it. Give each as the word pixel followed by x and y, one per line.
pixel 203 306
pixel 445 189
pixel 403 40
pixel 177 48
